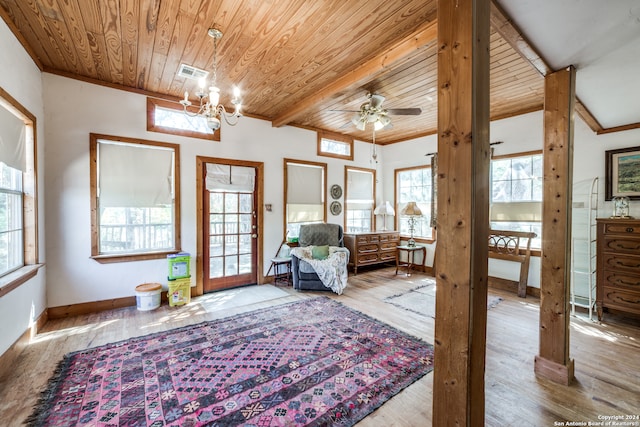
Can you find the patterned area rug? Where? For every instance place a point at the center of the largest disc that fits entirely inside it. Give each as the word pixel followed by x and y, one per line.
pixel 422 299
pixel 311 362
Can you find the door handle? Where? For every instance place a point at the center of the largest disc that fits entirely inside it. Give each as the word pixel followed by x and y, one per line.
pixel 254 235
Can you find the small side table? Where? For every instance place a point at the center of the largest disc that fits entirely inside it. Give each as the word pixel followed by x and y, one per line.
pixel 410 250
pixel 281 271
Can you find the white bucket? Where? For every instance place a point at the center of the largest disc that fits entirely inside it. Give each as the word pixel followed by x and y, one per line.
pixel 148 296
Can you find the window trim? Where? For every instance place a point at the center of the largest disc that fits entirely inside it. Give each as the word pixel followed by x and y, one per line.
pixel 373 224
pixel 521 154
pixel 334 137
pixel 13 279
pixel 152 103
pixel 286 161
pixel 396 221
pixel 95 223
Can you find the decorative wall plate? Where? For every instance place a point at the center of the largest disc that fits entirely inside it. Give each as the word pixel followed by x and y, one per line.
pixel 335 208
pixel 336 191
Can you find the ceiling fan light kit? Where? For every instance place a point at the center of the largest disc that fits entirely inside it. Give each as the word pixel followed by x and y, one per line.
pixel 372 112
pixel 209 102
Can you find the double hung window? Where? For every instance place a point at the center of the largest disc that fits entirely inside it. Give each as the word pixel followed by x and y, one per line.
pixel 414 185
pixel 305 186
pixel 516 194
pixel 360 190
pixel 134 184
pixel 18 213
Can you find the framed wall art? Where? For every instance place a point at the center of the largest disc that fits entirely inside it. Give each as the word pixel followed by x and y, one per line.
pixel 622 173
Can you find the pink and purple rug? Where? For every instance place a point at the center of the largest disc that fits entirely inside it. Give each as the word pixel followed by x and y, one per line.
pixel 314 362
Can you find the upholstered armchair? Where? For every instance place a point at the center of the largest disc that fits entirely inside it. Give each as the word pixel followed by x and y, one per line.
pixel 319 263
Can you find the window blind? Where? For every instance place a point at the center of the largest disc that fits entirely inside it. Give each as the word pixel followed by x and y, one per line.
pixel 134 175
pixel 13 152
pixel 230 178
pixel 305 190
pixel 360 189
pixel 516 211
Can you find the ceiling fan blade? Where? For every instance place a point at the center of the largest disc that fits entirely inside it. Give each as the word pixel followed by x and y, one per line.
pixel 405 111
pixel 344 111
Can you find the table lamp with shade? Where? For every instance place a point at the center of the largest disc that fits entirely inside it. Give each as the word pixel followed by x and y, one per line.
pixel 412 211
pixel 384 210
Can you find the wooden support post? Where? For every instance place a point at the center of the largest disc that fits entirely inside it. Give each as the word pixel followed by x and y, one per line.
pixel 553 362
pixel 463 212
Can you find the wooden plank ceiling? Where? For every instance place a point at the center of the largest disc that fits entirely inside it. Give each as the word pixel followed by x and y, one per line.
pixel 295 61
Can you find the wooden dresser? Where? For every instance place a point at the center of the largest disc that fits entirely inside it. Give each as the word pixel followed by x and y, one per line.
pixel 371 248
pixel 618 265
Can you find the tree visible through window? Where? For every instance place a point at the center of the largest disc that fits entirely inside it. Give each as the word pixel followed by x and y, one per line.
pixel 516 194
pixel 18 213
pixel 414 185
pixel 11 224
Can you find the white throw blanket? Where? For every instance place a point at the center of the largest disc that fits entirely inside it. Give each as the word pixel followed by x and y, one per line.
pixel 332 271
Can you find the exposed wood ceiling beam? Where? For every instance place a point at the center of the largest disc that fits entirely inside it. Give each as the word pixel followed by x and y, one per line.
pixel 420 38
pixel 512 34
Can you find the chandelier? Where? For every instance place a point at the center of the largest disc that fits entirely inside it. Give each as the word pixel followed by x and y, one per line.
pixel 209 106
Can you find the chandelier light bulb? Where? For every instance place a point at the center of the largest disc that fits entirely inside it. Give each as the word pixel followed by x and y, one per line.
pixel 214 95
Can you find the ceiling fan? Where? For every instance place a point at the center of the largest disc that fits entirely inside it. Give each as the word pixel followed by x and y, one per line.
pixel 372 112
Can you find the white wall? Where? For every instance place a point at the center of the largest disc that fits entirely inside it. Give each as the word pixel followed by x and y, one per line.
pixel 21 79
pixel 520 134
pixel 74 109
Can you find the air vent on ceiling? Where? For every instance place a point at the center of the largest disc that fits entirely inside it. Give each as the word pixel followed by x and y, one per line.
pixel 192 72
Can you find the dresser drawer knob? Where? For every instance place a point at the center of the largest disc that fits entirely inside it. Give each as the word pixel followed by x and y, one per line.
pixel 629 229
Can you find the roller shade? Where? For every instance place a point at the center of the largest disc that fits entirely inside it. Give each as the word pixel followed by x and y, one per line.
pixel 359 189
pixel 13 135
pixel 516 211
pixel 305 188
pixel 133 175
pixel 230 178
pixel 304 213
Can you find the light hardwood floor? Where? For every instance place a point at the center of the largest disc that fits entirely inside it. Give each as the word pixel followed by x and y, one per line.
pixel 607 356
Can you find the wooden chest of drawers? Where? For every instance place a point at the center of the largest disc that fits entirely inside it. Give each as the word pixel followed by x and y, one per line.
pixel 371 248
pixel 618 269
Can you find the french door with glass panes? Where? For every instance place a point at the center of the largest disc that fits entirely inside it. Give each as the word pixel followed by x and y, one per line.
pixel 230 238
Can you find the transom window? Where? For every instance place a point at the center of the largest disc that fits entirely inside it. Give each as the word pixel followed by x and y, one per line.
pixel 516 193
pixel 414 185
pixel 168 117
pixel 335 145
pixel 134 187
